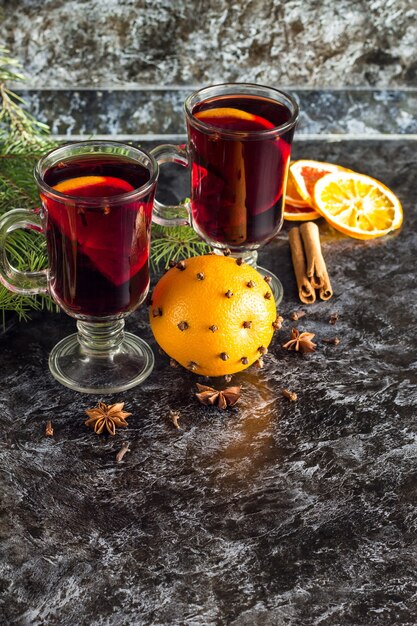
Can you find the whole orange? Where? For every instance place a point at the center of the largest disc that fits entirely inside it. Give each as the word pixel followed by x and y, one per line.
pixel 213 314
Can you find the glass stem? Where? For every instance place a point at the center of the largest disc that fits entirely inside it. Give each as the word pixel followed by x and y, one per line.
pixel 100 338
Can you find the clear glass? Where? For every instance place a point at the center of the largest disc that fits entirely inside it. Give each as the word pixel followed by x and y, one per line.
pixel 239 144
pixel 96 211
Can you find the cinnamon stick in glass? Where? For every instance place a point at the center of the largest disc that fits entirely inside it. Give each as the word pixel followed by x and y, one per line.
pixel 306 291
pixel 316 265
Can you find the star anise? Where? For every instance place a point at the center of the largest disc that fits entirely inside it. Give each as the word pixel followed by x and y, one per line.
pixel 223 399
pixel 300 342
pixel 107 416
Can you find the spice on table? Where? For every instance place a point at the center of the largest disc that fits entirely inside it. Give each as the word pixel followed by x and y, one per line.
pixel 296 315
pixel 291 395
pixel 49 431
pixel 334 341
pixel 333 318
pixel 223 399
pixel 277 324
pixel 107 416
pixel 309 266
pixel 174 416
pixel 300 342
pixel 306 291
pixel 316 266
pixel 125 448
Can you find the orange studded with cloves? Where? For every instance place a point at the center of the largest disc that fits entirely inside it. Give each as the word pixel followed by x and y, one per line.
pixel 213 317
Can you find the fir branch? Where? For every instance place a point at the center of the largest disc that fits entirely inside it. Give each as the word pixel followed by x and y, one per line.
pixel 17 184
pixel 174 243
pixel 22 140
pixel 20 132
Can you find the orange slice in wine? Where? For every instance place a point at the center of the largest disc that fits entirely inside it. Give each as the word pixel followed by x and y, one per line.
pixel 230 115
pixel 94 186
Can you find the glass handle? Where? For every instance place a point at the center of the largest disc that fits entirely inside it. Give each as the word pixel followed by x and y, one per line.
pixel 163 214
pixel 25 283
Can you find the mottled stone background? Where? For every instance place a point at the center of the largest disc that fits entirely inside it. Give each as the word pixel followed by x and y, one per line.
pixel 318 43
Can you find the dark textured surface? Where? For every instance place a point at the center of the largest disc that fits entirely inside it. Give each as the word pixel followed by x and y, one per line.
pixel 102 43
pixel 150 111
pixel 273 513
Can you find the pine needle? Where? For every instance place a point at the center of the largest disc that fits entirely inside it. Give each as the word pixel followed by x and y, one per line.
pixel 173 244
pixel 20 132
pixel 23 139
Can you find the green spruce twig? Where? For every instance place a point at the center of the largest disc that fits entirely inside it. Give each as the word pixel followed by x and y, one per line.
pixel 173 244
pixel 20 132
pixel 22 140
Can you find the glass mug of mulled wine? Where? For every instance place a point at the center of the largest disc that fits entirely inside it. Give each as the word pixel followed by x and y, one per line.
pixel 239 143
pixel 96 211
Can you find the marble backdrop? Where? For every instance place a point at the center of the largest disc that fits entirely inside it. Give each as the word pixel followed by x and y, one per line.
pixel 316 43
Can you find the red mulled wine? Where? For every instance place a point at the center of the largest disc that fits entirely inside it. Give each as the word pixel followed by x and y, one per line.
pixel 238 178
pixel 98 238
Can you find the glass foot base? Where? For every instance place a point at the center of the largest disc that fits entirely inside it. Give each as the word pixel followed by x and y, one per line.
pixel 275 284
pixel 87 372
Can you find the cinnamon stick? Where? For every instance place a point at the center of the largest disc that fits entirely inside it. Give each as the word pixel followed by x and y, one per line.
pixel 233 219
pixel 306 292
pixel 316 266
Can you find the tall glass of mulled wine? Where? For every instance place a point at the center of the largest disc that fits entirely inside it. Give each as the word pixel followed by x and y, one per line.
pixel 239 144
pixel 96 211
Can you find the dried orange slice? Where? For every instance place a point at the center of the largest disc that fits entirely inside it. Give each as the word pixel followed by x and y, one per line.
pixel 299 214
pixel 292 196
pixel 357 205
pixel 228 116
pixel 306 173
pixel 297 209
